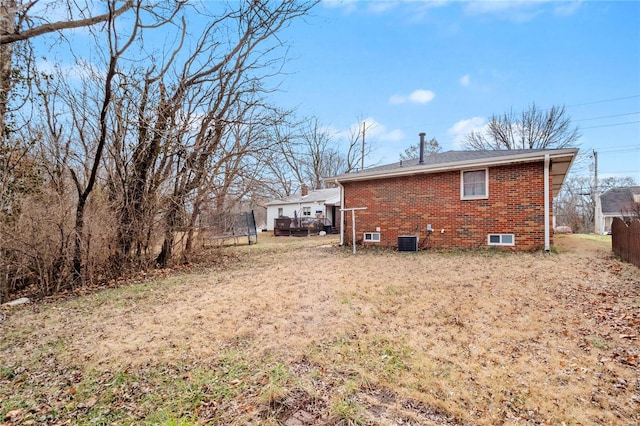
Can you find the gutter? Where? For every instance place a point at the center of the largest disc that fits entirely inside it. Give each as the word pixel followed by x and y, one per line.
pixel 341 207
pixel 547 244
pixel 485 162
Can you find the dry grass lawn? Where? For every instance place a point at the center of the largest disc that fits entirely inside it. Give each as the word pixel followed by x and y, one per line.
pixel 297 331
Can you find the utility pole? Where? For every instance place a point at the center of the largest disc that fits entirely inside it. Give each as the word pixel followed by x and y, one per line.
pixel 595 183
pixel 364 129
pixel 596 196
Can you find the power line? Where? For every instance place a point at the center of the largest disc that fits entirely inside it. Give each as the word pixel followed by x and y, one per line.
pixel 608 116
pixel 610 125
pixel 603 101
pixel 619 172
pixel 635 145
pixel 609 151
pixel 590 103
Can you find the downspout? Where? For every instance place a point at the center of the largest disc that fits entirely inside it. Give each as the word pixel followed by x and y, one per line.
pixel 547 244
pixel 341 207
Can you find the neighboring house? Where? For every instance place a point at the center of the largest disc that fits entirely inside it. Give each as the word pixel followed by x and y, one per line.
pixel 319 204
pixel 616 202
pixel 457 199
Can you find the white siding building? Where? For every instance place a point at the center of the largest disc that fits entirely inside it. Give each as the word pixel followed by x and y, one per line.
pixel 320 204
pixel 616 202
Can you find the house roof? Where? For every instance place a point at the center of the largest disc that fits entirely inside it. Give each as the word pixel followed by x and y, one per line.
pixel 460 160
pixel 614 201
pixel 318 196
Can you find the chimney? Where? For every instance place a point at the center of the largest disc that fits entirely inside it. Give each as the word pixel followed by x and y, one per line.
pixel 422 135
pixel 304 190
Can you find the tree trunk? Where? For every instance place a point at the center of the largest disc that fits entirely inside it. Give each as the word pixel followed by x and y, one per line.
pixel 169 236
pixel 188 247
pixel 83 195
pixel 7 26
pixel 77 276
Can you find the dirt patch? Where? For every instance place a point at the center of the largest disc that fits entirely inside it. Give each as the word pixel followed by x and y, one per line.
pixel 301 331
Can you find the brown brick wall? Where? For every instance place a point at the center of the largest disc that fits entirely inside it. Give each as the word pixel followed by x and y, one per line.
pixel 405 205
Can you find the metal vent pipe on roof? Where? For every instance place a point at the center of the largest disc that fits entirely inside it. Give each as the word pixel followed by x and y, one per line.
pixel 422 135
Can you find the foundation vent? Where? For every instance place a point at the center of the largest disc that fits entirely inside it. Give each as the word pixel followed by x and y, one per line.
pixel 408 243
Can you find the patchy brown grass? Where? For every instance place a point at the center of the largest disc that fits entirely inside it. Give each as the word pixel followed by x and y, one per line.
pixel 302 332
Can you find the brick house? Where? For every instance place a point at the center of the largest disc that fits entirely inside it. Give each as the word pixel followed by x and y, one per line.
pixel 457 199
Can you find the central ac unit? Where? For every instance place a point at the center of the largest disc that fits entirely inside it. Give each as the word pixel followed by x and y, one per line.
pixel 408 243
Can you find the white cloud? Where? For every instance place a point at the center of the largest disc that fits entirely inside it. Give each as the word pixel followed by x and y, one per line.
pixel 521 11
pixel 375 131
pixel 373 7
pixel 395 135
pixel 419 96
pixel 422 96
pixel 397 99
pixel 567 8
pixel 465 80
pixel 71 72
pixel 463 127
pixel 379 131
pixel 517 11
pixel 347 6
pixel 379 7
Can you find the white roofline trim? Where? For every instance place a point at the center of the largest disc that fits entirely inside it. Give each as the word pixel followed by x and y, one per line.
pixel 278 202
pixel 457 165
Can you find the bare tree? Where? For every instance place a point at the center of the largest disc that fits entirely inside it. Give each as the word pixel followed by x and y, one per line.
pixel 20 22
pixel 320 157
pixel 180 132
pixel 358 149
pixel 117 47
pixel 306 152
pixel 151 141
pixel 236 171
pixel 26 25
pixel 430 147
pixel 533 129
pixel 575 205
pixel 283 172
pixel 631 212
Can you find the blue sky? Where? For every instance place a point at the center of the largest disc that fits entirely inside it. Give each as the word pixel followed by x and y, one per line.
pixel 445 67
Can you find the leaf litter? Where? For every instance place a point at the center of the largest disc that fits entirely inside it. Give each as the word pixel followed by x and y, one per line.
pixel 300 332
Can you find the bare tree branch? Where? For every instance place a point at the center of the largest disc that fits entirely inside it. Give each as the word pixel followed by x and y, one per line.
pixel 533 129
pixel 19 13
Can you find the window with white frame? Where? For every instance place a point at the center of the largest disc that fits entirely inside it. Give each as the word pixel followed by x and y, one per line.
pixel 501 240
pixel 306 211
pixel 474 184
pixel 280 212
pixel 373 237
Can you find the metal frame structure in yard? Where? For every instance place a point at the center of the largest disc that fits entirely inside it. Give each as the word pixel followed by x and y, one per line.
pixel 231 226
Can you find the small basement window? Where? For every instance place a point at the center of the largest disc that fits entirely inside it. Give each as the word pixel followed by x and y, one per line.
pixel 373 237
pixel 501 240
